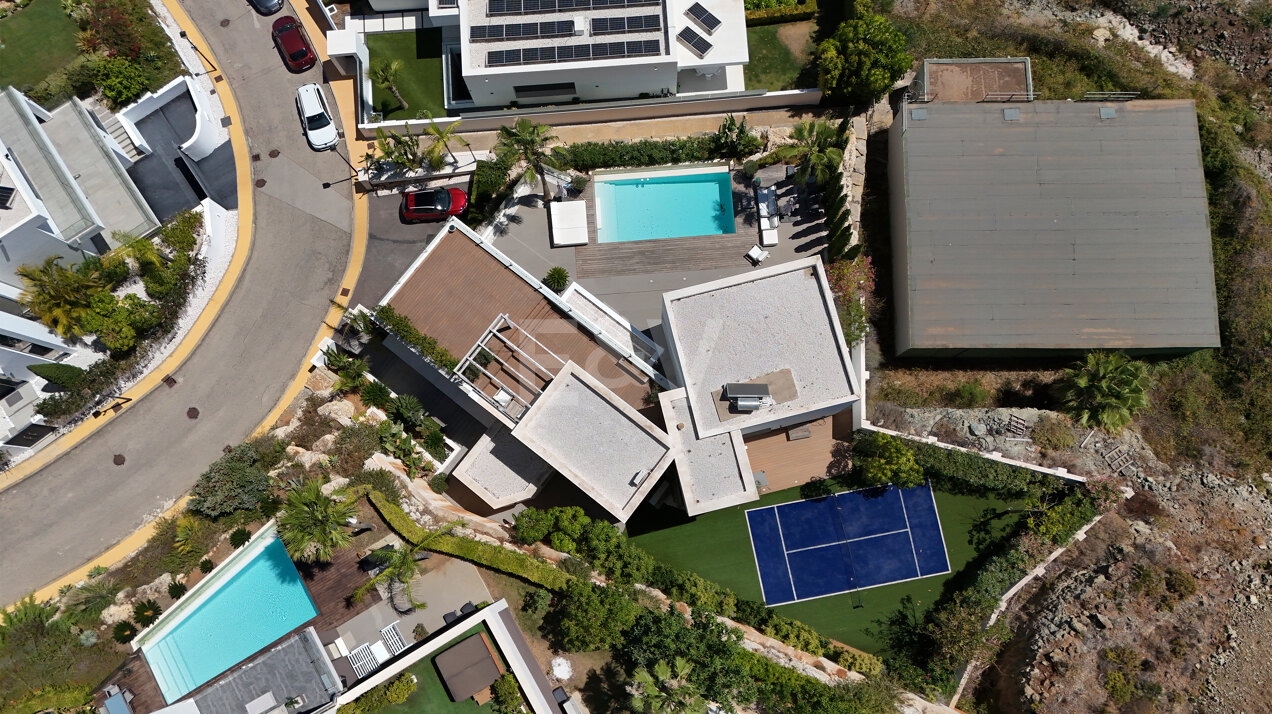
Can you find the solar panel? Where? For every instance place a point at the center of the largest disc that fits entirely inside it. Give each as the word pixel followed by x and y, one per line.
pixel 696 42
pixel 500 58
pixel 619 25
pixel 495 8
pixel 704 17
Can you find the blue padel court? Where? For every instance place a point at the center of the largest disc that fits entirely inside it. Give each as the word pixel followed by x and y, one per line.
pixel 845 542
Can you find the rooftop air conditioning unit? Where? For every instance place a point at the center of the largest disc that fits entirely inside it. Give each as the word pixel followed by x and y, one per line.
pixel 747 397
pixel 580 26
pixel 748 404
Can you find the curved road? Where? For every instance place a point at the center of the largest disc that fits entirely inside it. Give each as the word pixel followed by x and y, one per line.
pixel 81 504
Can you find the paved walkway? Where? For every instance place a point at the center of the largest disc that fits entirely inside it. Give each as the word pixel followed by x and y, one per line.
pixel 72 510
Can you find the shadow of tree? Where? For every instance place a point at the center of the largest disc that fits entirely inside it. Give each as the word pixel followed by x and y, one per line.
pixel 605 691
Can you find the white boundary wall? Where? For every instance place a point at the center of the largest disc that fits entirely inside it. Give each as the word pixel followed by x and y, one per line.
pixel 992 456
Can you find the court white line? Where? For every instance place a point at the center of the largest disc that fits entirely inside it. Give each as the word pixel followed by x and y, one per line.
pixel 789 578
pixel 917 570
pixel 944 551
pixel 852 540
pixel 758 575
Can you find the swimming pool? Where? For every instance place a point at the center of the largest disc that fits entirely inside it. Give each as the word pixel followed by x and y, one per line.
pixel 232 619
pixel 664 206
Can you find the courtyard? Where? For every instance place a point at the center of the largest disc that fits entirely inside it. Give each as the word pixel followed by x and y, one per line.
pixel 419 80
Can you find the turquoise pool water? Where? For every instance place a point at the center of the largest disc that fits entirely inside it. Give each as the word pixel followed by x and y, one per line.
pixel 664 207
pixel 255 606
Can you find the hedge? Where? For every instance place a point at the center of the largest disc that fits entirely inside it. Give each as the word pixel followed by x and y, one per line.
pixel 66 376
pixel 401 325
pixel 776 15
pixel 590 155
pixel 494 557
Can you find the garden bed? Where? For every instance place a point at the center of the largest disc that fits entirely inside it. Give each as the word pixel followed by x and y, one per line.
pixel 420 78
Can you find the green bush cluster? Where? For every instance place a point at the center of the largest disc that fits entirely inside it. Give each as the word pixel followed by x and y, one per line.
pixel 377 698
pixel 490 188
pixel 806 10
pixel 235 482
pixel 439 483
pixel 401 326
pixel 880 459
pixel 181 232
pixel 492 556
pixel 783 689
pixel 121 80
pixel 767 4
pixel 66 376
pixel 381 481
pixel 176 590
pixel 376 394
pixel 239 537
pixel 571 531
pixel 591 155
pixel 118 322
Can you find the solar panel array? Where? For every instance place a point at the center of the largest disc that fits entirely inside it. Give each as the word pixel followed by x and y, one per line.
pixel 523 30
pixel 495 8
pixel 696 42
pixel 573 53
pixel 704 17
pixel 621 25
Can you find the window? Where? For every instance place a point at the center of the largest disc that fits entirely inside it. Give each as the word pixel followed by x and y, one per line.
pixel 530 91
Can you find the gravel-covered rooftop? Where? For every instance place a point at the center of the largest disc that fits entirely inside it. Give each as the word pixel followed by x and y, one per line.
pixel 714 472
pixel 502 470
pixel 758 323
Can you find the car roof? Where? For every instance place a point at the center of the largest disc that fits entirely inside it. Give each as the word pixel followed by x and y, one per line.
pixel 310 96
pixel 292 38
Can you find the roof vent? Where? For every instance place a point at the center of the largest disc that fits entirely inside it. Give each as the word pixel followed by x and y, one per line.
pixel 1012 114
pixel 1108 112
pixel 918 114
pixel 747 397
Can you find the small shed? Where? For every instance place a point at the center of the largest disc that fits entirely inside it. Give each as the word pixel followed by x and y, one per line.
pixel 469 667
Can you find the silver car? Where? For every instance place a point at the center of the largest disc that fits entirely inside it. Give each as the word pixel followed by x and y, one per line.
pixel 315 117
pixel 266 7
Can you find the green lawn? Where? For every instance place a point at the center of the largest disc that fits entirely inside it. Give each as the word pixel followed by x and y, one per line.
pixel 419 81
pixel 773 65
pixel 38 41
pixel 430 694
pixel 717 546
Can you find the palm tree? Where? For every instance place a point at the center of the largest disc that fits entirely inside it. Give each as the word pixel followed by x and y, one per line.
pixel 445 135
pixel 528 141
pixel 1105 391
pixel 384 73
pixel 312 526
pixel 399 565
pixel 59 296
pixel 819 148
pixel 667 690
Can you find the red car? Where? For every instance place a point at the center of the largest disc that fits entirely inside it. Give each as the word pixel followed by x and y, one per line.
pixel 293 44
pixel 433 204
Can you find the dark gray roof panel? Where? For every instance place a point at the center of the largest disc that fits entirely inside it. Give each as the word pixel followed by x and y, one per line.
pixel 1060 230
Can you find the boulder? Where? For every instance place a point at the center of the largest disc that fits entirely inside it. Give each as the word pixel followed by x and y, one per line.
pixel 334 485
pixel 155 589
pixel 339 410
pixel 324 444
pixel 308 459
pixel 283 432
pixel 116 613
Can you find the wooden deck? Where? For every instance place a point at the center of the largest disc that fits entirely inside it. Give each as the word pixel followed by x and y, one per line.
pixel 456 294
pixel 787 463
pixel 134 675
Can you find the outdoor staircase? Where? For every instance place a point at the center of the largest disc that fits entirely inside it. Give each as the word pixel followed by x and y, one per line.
pixel 116 130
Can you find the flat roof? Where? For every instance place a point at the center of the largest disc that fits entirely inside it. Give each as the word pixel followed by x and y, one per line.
pixel 714 472
pixel 1054 225
pixel 293 667
pixel 728 40
pixel 596 440
pixel 777 324
pixel 501 470
pixel 468 667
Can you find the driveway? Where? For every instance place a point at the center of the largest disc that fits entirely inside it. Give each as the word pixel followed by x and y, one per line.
pixel 391 247
pixel 72 510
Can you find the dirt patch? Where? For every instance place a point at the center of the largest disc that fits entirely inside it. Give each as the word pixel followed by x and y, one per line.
pixel 928 387
pixel 798 38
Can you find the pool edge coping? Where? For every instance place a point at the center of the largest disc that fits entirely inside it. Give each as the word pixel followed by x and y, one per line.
pixel 601 176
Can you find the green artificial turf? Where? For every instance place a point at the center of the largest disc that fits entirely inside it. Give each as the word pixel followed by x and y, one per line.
pixel 717 546
pixel 430 694
pixel 772 65
pixel 420 79
pixel 38 40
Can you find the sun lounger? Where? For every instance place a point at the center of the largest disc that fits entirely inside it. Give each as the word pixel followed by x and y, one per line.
pixel 756 255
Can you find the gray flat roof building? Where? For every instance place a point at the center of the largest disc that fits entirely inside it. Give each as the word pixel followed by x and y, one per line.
pixel 1050 225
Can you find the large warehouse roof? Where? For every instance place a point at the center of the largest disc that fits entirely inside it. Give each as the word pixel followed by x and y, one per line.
pixel 1051 225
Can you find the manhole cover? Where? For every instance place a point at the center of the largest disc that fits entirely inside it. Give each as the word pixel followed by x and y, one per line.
pixel 119 459
pixel 256 157
pixel 192 413
pixel 273 153
pixel 225 23
pixel 260 183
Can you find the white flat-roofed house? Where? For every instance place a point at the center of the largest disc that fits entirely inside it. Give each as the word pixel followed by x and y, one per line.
pixel 553 51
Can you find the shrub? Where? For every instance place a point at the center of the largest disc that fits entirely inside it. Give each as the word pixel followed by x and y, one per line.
pixel 439 483
pixel 557 279
pixel 506 694
pixel 435 444
pixel 353 446
pixel 206 565
pixel 859 661
pixel 536 601
pixel 562 542
pixel 969 395
pixel 121 80
pixel 590 617
pixel 379 480
pixel 146 612
pixel 181 232
pixel 375 394
pixel 377 698
pixel 1053 433
pixel 66 376
pixel 789 13
pixel 124 632
pixel 750 167
pixel 176 590
pixel 734 140
pixel 400 688
pixel 532 525
pixel 490 188
pixel 591 155
pixel 860 62
pixel 427 346
pixel 1105 390
pixel 419 632
pixel 96 571
pixel 232 483
pixel 239 537
pixel 88 638
pixel 883 459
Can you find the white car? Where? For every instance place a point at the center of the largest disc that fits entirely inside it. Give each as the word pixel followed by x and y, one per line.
pixel 315 117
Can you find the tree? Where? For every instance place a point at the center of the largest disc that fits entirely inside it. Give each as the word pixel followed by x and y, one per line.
pixel 1105 390
pixel 234 482
pixel 862 60
pixel 312 524
pixel 883 459
pixel 400 565
pixel 819 148
pixel 443 136
pixel 506 694
pixel 591 617
pixel 718 671
pixel 667 690
pixel 384 73
pixel 528 141
pixel 59 296
pixel 533 525
pixel 121 80
pixel 557 279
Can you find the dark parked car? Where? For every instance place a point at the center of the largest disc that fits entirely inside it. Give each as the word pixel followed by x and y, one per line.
pixel 293 44
pixel 432 204
pixel 266 7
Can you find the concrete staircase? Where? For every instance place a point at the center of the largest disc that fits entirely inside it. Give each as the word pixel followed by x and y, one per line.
pixel 111 123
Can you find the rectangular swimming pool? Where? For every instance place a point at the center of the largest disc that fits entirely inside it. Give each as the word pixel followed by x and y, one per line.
pixel 264 600
pixel 671 206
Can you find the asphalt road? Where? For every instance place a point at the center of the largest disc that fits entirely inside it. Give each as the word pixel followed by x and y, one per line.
pixel 81 504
